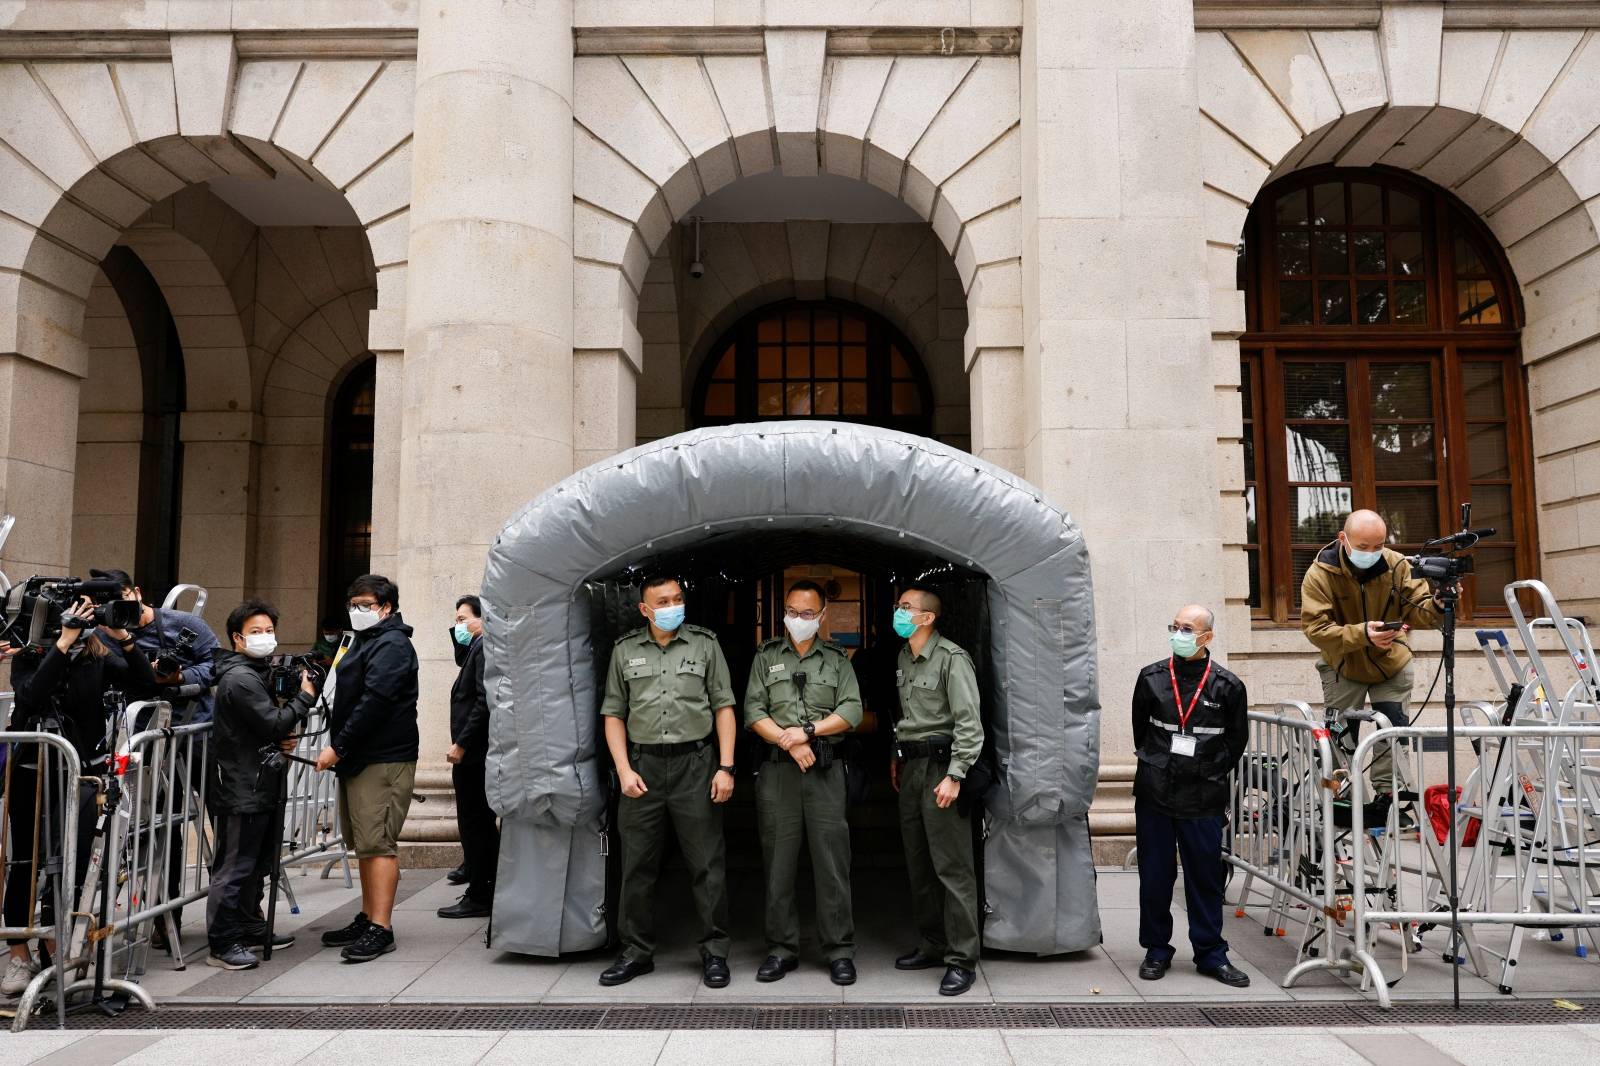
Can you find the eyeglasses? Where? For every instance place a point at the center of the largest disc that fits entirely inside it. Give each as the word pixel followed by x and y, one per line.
pixel 904 606
pixel 1187 631
pixel 354 606
pixel 790 612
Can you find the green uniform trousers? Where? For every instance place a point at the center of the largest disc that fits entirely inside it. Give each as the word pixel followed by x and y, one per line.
pixel 1390 698
pixel 944 884
pixel 788 804
pixel 679 791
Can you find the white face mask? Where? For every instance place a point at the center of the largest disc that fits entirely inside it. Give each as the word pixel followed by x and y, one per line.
pixel 363 618
pixel 260 645
pixel 802 630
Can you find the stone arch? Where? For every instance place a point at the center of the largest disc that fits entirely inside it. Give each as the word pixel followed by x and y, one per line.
pixel 1503 120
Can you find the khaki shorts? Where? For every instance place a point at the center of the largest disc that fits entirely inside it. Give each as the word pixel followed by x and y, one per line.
pixel 373 806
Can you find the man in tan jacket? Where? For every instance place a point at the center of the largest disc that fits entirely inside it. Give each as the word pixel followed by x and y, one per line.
pixel 1353 588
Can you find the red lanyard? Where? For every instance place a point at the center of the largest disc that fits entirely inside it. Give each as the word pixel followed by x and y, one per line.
pixel 1183 715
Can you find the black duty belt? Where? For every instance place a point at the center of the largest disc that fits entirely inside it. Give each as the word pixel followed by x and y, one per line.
pixel 683 748
pixel 777 754
pixel 932 748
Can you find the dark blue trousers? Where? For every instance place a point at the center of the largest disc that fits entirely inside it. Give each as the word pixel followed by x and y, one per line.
pixel 1162 840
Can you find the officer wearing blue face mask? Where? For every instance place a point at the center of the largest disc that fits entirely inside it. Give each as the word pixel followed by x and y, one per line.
pixel 1190 728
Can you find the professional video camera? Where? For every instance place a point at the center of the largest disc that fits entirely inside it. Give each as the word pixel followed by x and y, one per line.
pixel 35 611
pixel 1448 562
pixel 182 649
pixel 284 680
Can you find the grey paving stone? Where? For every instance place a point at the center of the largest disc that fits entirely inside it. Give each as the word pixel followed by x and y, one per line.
pixel 1035 1048
pixel 97 1049
pixel 1397 1049
pixel 258 1047
pixel 576 1049
pixel 33 1045
pixel 1521 1045
pixel 748 1048
pixel 927 1047
pixel 407 1047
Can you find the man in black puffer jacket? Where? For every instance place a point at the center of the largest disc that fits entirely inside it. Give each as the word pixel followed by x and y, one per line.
pixel 243 792
pixel 1191 723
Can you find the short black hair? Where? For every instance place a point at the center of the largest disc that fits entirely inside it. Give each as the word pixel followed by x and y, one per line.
pixel 807 585
pixel 378 587
pixel 472 601
pixel 929 598
pixel 248 610
pixel 121 577
pixel 656 581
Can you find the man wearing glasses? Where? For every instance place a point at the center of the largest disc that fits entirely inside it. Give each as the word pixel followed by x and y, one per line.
pixel 937 739
pixel 802 691
pixel 1190 727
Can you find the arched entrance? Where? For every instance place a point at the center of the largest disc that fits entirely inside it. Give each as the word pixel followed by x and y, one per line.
pixel 715 494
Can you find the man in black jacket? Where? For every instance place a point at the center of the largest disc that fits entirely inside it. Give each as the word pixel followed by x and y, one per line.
pixel 1190 727
pixel 373 748
pixel 244 789
pixel 469 746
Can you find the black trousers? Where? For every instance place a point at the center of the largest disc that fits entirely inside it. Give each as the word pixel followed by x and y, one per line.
pixel 1162 839
pixel 241 863
pixel 23 815
pixel 478 827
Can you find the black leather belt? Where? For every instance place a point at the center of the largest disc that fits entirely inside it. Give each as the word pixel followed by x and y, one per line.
pixel 934 748
pixel 683 748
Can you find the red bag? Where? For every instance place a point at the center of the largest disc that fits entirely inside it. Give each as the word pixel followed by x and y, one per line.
pixel 1433 798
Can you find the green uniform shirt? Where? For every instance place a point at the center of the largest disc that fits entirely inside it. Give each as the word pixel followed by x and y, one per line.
pixel 939 697
pixel 667 695
pixel 830 686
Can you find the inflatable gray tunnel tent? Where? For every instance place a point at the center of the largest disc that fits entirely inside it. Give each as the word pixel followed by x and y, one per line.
pixel 720 492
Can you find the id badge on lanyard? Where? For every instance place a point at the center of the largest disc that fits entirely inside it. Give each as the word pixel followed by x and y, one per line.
pixel 1183 742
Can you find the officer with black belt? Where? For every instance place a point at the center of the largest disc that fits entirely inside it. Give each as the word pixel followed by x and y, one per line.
pixel 801 692
pixel 1190 727
pixel 667 688
pixel 937 739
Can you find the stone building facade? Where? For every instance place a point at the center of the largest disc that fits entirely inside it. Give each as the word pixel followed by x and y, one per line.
pixel 291 287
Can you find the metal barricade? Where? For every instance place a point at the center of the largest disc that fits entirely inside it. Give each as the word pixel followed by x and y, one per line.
pixel 1281 823
pixel 312 831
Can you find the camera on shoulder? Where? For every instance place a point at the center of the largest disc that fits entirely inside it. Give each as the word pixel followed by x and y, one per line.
pixel 283 677
pixel 36 610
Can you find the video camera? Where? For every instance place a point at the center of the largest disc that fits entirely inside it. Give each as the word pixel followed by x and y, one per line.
pixel 41 604
pixel 1444 568
pixel 283 681
pixel 182 651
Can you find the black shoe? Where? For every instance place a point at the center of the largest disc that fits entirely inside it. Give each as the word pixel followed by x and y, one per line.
pixel 1228 974
pixel 232 957
pixel 774 968
pixel 1153 969
pixel 465 907
pixel 957 979
pixel 458 876
pixel 625 969
pixel 335 938
pixel 374 942
pixel 916 960
pixel 716 971
pixel 257 941
pixel 842 972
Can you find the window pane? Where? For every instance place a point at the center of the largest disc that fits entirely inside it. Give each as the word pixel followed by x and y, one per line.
pixel 1485 389
pixel 1496 568
pixel 898 364
pixel 1328 204
pixel 1333 256
pixel 799 398
pixel 1292 208
pixel 855 329
pixel 906 399
pixel 826 327
pixel 1294 303
pixel 1402 452
pixel 1476 303
pixel 1253 565
pixel 769 364
pixel 1317 514
pixel 1249 456
pixel 1491 506
pixel 1368 246
pixel 855 362
pixel 770 330
pixel 724 371
pixel 1405 252
pixel 1366 204
pixel 1401 390
pixel 1468 261
pixel 719 401
pixel 855 398
pixel 1250 535
pixel 1410 302
pixel 1487 454
pixel 825 398
pixel 769 398
pixel 1313 390
pixel 797 326
pixel 1334 302
pixel 1294 255
pixel 1318 453
pixel 797 362
pixel 1299 562
pixel 1404 210
pixel 1412 515
pixel 1372 303
pixel 1245 399
pixel 827 360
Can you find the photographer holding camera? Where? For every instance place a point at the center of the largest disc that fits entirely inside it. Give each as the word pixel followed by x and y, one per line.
pixel 245 783
pixel 1358 601
pixel 64 685
pixel 180 646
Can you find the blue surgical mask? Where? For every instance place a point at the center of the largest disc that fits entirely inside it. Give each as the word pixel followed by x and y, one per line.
pixel 1184 645
pixel 903 625
pixel 669 618
pixel 1363 560
pixel 462 633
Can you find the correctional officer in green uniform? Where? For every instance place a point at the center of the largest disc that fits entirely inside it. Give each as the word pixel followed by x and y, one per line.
pixel 937 739
pixel 668 684
pixel 802 691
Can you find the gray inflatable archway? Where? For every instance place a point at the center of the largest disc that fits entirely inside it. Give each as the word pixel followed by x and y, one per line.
pixel 546 774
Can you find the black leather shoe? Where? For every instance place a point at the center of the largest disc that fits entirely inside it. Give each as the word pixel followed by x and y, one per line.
pixel 956 981
pixel 458 876
pixel 716 971
pixel 842 972
pixel 916 960
pixel 465 907
pixel 771 970
pixel 1229 975
pixel 625 969
pixel 1154 969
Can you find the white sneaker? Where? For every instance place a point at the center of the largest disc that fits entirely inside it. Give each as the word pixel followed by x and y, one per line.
pixel 18 973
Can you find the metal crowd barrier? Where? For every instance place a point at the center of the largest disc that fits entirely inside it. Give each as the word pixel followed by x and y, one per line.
pixel 311 829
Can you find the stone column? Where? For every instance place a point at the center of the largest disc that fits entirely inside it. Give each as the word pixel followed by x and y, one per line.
pixel 487 382
pixel 1119 419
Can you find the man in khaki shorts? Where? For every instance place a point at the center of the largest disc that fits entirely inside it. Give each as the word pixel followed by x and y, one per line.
pixel 373 749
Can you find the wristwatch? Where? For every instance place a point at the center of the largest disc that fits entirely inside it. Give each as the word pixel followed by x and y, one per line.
pixel 727 770
pixel 810 730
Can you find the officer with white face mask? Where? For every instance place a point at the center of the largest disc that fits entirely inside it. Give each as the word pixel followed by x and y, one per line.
pixel 802 692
